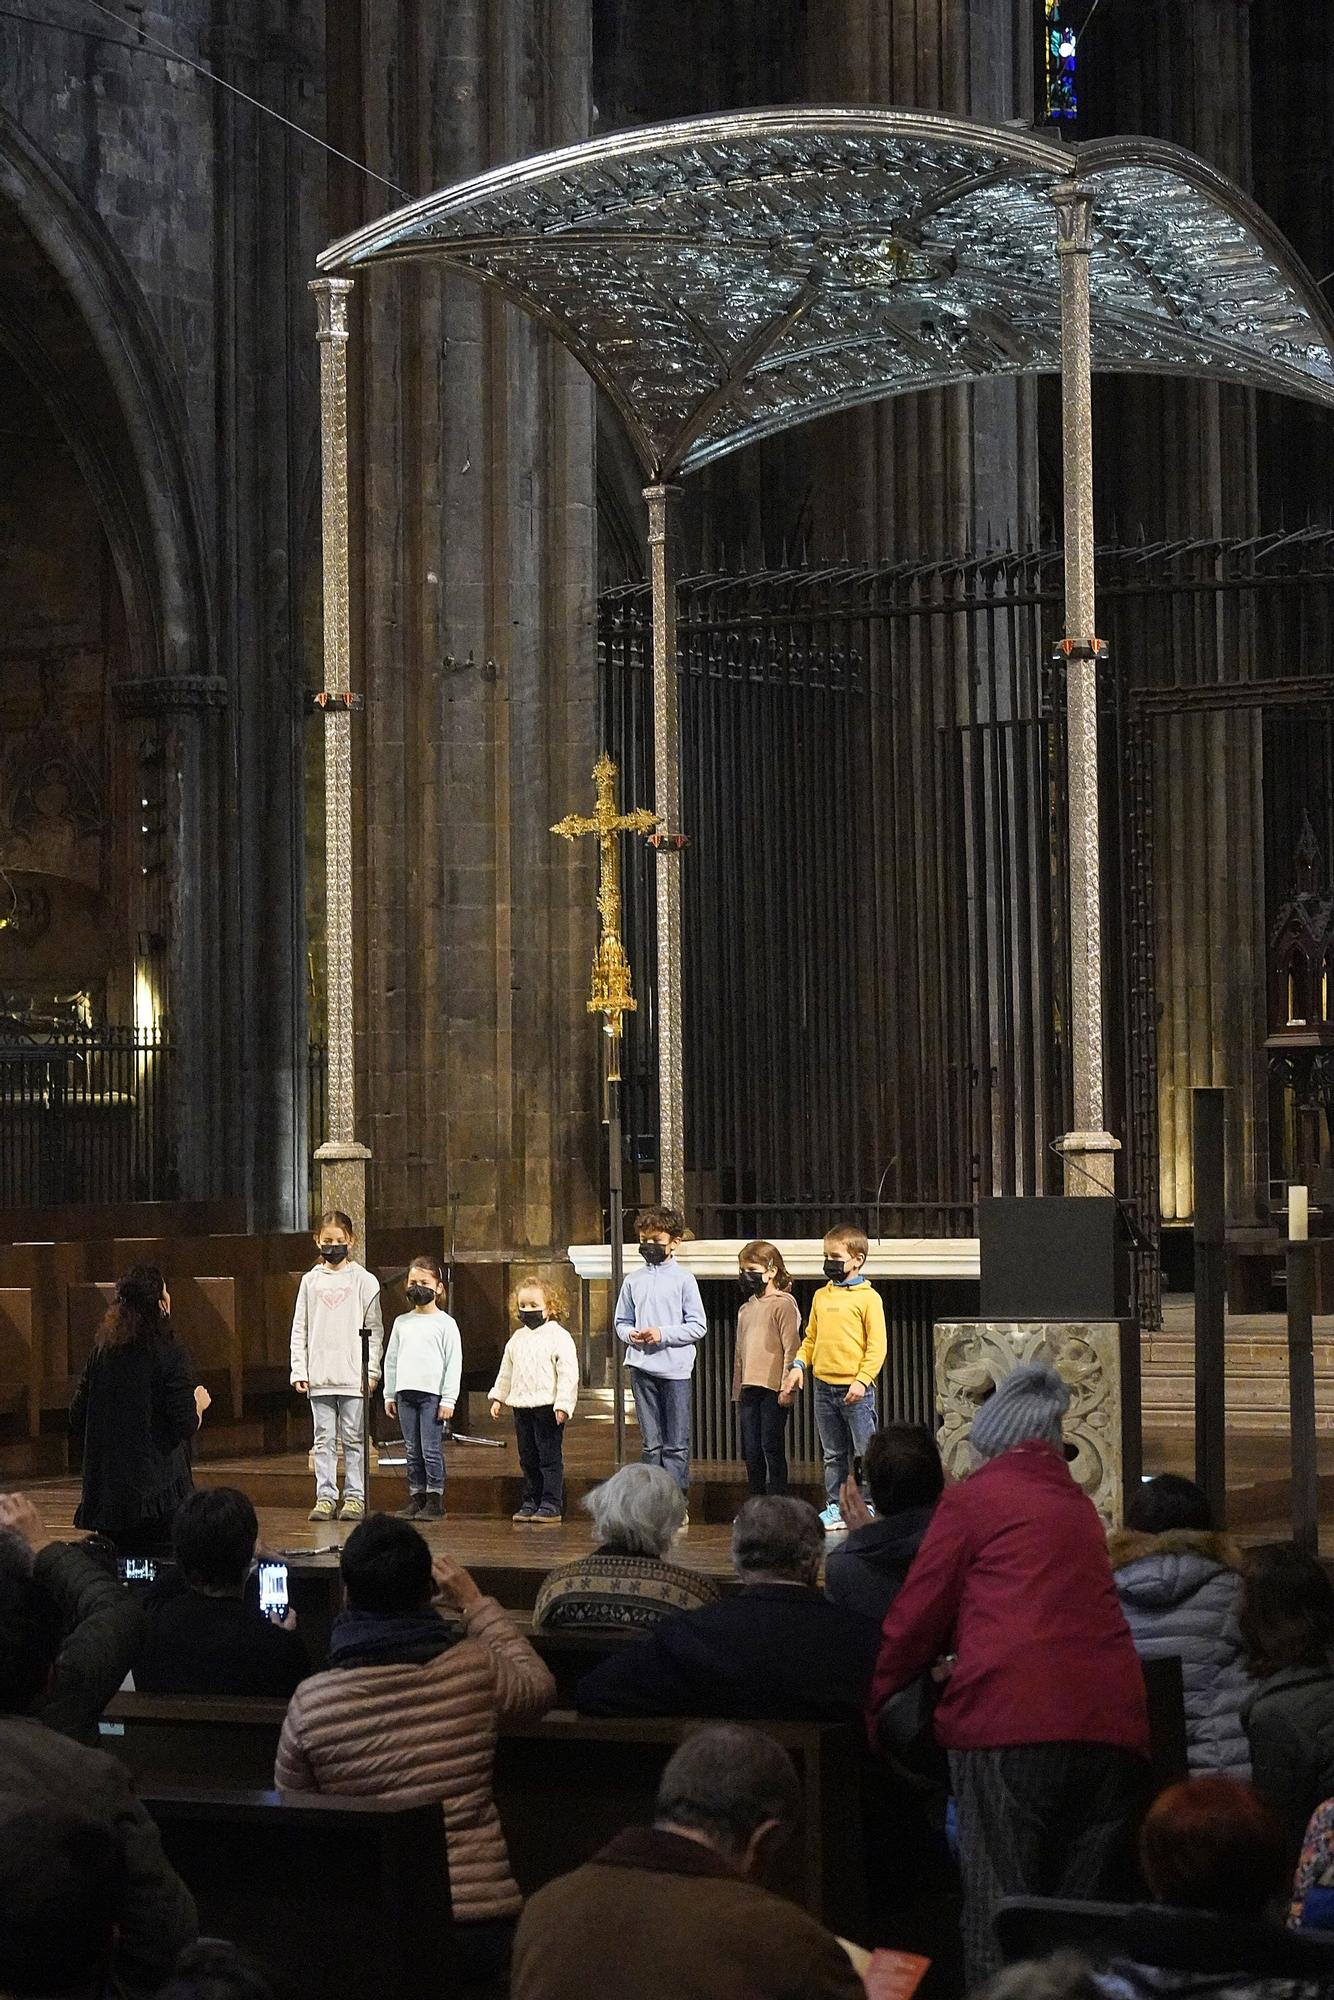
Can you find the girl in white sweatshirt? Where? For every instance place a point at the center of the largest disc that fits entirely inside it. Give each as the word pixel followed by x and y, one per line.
pixel 336 1300
pixel 539 1379
pixel 423 1368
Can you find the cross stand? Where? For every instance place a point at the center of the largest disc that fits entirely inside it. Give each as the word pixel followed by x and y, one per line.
pixel 366 1415
pixel 616 1220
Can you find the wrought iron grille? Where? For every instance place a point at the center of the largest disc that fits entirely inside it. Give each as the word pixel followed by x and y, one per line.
pixel 85 1116
pixel 873 770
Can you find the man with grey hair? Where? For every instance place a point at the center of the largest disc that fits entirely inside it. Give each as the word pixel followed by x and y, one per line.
pixel 679 1907
pixel 777 1647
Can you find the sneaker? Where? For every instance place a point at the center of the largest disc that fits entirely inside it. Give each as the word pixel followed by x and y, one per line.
pixel 527 1512
pixel 832 1521
pixel 685 1520
pixel 432 1507
pixel 323 1510
pixel 352 1510
pixel 416 1501
pixel 547 1517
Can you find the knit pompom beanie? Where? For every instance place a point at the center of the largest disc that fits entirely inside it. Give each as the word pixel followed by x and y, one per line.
pixel 1029 1403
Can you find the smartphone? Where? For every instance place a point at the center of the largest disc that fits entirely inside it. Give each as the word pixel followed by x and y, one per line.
pixel 857 1469
pixel 136 1569
pixel 273 1589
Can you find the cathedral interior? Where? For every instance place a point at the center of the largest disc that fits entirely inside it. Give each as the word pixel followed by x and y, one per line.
pixel 872 938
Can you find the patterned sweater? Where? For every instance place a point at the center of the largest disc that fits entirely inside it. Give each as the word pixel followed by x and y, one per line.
pixel 611 1590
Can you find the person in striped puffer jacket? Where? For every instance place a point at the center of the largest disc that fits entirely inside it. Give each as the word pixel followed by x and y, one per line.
pixel 412 1703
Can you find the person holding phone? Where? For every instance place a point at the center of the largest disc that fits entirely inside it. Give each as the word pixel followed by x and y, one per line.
pixel 208 1632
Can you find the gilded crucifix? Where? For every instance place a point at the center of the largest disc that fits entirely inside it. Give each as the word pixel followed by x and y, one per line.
pixel 612 995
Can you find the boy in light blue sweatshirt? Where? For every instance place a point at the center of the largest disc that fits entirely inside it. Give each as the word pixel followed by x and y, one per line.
pixel 660 1317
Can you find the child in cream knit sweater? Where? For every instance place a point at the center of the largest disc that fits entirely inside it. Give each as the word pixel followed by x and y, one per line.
pixel 539 1380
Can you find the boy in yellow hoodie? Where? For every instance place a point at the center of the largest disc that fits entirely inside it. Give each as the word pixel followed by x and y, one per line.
pixel 845 1350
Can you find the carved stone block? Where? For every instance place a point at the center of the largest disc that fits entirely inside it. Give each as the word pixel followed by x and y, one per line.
pixel 973 1356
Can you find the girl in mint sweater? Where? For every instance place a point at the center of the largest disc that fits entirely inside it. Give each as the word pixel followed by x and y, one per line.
pixel 423 1367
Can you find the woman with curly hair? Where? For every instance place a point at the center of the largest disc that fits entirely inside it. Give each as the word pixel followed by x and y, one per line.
pixel 135 1411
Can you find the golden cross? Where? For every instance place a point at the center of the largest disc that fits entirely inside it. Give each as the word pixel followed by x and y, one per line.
pixel 612 996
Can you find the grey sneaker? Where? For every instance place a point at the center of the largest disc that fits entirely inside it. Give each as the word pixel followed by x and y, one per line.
pixel 416 1501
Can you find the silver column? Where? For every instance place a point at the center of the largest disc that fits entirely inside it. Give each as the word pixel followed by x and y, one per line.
pixel 1088 1149
pixel 667 804
pixel 341 1158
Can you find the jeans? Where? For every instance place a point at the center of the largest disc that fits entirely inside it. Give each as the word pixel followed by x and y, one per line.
pixel 763 1423
pixel 662 1405
pixel 844 1430
pixel 337 1416
pixel 540 1438
pixel 423 1434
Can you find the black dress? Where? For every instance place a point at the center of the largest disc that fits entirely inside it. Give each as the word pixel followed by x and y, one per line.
pixel 134 1409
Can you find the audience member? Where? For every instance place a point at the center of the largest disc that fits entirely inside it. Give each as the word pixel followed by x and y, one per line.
pixel 626 1584
pixel 215 1970
pixel 1180 1587
pixel 1043 1710
pixel 1311 1903
pixel 776 1648
pixel 100 1625
pixel 203 1635
pixel 134 1413
pixel 412 1705
pixel 1211 1844
pixel 902 1470
pixel 678 1909
pixel 1287 1622
pixel 1063 1976
pixel 62 1895
pixel 155 1914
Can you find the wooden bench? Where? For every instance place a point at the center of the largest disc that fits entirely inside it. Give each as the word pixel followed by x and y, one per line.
pixel 329 1895
pixel 564 1785
pixel 1032 1927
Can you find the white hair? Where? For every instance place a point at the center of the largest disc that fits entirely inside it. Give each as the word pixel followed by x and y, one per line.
pixel 639 1508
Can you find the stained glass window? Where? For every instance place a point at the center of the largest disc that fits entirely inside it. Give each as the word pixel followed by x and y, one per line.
pixel 1062 54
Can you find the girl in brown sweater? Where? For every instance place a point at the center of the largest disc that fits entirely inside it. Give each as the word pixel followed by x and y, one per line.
pixel 768 1333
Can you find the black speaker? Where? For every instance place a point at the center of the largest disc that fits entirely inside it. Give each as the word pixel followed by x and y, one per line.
pixel 1057 1257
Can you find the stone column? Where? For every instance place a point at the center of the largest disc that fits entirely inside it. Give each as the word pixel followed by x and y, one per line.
pixel 667 804
pixel 342 1159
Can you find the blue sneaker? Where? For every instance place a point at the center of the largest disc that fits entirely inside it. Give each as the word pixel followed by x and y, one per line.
pixel 832 1521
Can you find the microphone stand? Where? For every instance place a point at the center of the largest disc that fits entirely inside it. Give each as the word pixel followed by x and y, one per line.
pixel 366 1414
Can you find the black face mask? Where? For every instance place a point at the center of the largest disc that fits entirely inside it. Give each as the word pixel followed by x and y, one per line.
pixel 420 1295
pixel 754 1282
pixel 653 1253
pixel 333 1253
pixel 530 1316
pixel 834 1269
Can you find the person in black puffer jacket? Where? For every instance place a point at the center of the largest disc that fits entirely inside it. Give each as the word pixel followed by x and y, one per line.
pixel 902 1468
pixel 1287 1621
pixel 135 1411
pixel 1180 1586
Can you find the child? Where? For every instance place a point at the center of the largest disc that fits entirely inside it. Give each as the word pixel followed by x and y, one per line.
pixel 660 1317
pixel 539 1379
pixel 423 1368
pixel 768 1330
pixel 336 1300
pixel 845 1348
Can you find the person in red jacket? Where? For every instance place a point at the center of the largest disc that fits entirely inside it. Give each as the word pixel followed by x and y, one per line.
pixel 1041 1707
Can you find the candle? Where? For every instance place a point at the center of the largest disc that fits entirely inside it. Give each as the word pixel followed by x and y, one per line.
pixel 1297 1214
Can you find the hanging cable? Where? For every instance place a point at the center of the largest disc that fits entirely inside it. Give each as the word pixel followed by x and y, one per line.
pixel 146 43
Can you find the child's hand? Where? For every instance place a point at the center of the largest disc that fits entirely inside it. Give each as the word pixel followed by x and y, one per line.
pixel 445 1413
pixel 792 1382
pixel 390 1407
pixel 651 1336
pixel 562 1416
pixel 302 1388
pixel 202 1402
pixel 495 1412
pixel 856 1390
